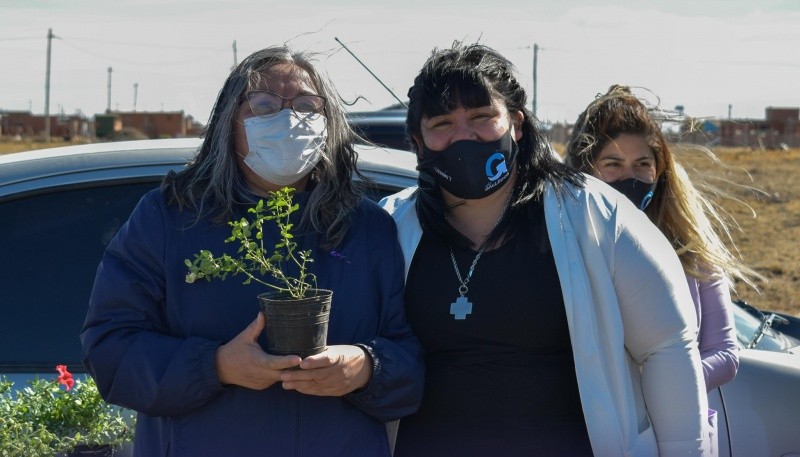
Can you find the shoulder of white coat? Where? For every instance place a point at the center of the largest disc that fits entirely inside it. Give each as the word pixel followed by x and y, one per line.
pixel 607 203
pixel 598 203
pixel 601 193
pixel 594 193
pixel 399 201
pixel 606 200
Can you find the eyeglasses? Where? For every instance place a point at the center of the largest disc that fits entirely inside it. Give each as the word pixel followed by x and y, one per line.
pixel 263 103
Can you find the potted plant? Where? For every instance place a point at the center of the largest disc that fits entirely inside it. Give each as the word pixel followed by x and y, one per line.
pixel 296 311
pixel 43 419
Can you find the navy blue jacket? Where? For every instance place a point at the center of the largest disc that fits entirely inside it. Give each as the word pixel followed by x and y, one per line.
pixel 150 339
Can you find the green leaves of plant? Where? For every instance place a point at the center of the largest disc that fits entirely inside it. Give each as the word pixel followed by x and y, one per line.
pixel 43 419
pixel 255 261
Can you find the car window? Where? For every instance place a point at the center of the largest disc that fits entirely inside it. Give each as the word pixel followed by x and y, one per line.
pixel 51 246
pixel 387 136
pixel 382 128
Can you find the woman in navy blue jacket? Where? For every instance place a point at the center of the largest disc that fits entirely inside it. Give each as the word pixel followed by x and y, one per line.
pixel 188 357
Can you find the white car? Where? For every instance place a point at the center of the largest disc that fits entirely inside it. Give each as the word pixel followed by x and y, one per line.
pixel 60 207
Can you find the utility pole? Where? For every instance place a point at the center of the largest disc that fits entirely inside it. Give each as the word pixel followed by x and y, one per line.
pixel 47 89
pixel 235 63
pixel 533 98
pixel 730 110
pixel 135 93
pixel 108 106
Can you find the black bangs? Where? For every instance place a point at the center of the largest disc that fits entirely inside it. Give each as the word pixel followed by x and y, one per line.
pixel 448 90
pixel 462 76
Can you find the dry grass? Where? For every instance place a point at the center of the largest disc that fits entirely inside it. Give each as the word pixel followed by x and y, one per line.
pixel 766 183
pixel 768 241
pixel 7 146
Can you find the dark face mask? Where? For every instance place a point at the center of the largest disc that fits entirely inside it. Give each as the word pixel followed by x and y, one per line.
pixel 639 192
pixel 471 169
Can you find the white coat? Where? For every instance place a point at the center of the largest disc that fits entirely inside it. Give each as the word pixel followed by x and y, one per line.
pixel 631 321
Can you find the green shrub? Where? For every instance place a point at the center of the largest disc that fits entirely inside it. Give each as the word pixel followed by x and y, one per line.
pixel 43 419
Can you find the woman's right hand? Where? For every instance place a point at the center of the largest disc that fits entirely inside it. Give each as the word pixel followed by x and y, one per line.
pixel 242 362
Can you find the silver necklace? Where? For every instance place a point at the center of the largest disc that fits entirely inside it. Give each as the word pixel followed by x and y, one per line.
pixel 461 307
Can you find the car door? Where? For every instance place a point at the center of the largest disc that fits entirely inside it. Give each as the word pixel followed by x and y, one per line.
pixel 52 242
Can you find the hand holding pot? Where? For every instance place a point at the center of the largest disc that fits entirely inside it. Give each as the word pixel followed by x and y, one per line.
pixel 337 371
pixel 242 362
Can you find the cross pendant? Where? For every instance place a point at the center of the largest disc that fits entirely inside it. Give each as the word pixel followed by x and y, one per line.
pixel 460 308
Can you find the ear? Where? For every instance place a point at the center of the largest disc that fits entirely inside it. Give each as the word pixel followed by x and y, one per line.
pixel 517 118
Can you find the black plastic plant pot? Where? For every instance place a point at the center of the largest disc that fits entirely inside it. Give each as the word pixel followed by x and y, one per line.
pixel 296 326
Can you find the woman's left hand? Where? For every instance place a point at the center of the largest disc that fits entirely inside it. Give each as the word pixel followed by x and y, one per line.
pixel 334 372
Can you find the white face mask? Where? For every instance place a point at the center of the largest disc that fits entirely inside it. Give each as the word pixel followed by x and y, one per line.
pixel 284 147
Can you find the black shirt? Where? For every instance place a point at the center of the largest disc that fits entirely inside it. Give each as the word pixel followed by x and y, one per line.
pixel 502 380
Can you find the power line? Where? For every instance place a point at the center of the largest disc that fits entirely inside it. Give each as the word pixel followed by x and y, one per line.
pixel 135 62
pixel 142 45
pixel 20 38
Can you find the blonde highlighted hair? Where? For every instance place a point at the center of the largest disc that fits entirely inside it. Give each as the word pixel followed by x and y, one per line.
pixel 699 230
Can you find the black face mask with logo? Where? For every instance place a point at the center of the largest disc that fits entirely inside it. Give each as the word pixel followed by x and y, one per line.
pixel 637 191
pixel 471 169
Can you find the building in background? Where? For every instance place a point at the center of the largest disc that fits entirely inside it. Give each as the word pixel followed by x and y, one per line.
pixel 144 124
pixel 24 124
pixel 779 129
pixel 115 125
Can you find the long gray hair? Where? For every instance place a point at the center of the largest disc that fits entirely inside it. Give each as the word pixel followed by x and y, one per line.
pixel 212 183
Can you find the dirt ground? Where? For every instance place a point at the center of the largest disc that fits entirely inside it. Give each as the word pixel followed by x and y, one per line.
pixel 767 187
pixel 769 237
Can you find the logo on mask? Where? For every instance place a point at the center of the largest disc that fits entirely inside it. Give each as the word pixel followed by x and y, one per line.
pixel 442 174
pixel 471 169
pixel 501 168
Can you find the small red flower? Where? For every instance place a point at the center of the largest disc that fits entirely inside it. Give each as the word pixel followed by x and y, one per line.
pixel 64 376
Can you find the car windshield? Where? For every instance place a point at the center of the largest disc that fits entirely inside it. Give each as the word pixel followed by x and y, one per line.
pixel 747 328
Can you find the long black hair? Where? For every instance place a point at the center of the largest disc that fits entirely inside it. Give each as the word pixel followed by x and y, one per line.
pixel 471 76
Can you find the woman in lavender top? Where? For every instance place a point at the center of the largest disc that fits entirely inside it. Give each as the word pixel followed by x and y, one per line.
pixel 617 140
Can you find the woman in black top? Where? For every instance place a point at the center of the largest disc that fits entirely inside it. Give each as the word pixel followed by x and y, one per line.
pixel 548 324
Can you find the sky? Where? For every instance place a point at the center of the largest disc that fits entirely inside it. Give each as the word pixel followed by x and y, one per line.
pixel 713 57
